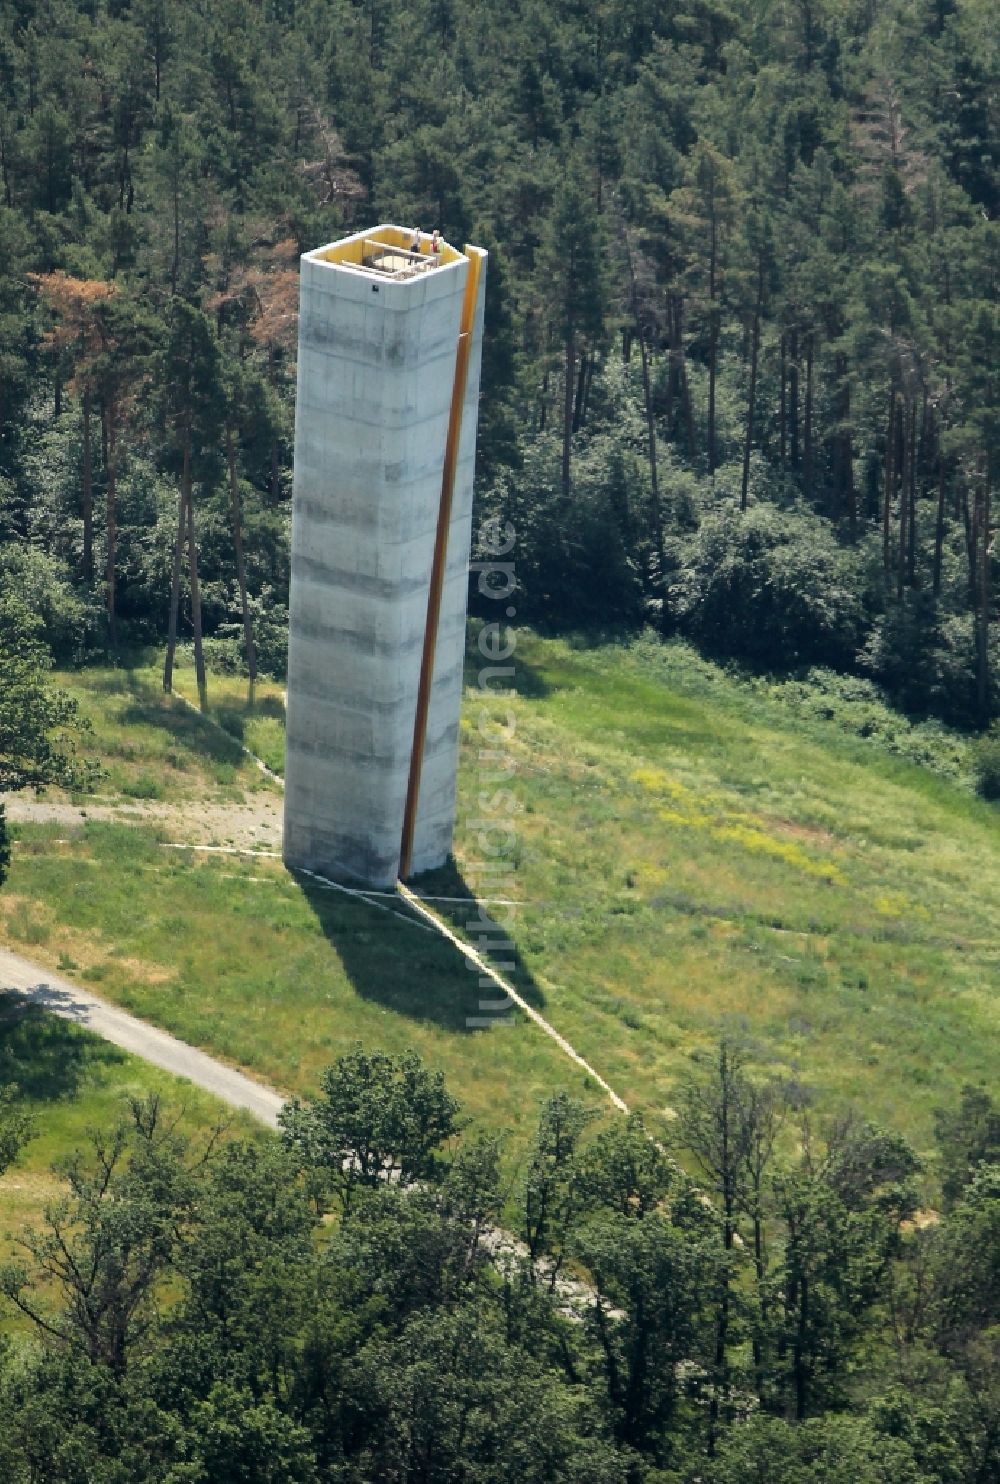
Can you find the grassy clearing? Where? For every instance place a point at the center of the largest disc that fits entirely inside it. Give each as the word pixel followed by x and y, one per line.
pixel 153 747
pixel 689 857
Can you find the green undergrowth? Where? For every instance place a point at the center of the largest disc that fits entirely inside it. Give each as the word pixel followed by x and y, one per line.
pixel 689 853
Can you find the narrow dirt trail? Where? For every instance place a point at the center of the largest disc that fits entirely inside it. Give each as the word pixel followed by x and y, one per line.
pixel 51 992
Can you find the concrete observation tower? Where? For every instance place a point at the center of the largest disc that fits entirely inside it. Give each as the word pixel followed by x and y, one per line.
pixel 390 342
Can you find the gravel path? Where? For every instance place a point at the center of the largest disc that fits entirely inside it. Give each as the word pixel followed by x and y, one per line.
pixel 42 987
pixel 254 824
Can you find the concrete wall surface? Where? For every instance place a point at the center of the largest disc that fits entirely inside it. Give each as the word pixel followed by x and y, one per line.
pixel 375 378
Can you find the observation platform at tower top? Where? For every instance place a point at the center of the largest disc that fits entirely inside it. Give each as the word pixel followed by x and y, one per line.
pixel 389 251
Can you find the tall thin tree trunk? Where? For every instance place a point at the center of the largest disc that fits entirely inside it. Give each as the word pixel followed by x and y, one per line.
pixel 88 491
pixel 783 404
pixel 568 413
pixel 241 577
pixel 983 615
pixel 793 398
pixel 175 266
pixel 111 522
pixel 272 378
pixel 754 356
pixel 911 547
pixel 807 432
pixel 939 522
pixel 668 396
pixel 799 1352
pixel 579 399
pixel 969 521
pixel 588 387
pixel 175 582
pixel 647 398
pixel 654 483
pixel 713 351
pixel 842 444
pixel 904 501
pixel 890 479
pixel 850 491
pixel 199 653
pixel 760 1273
pixel 680 372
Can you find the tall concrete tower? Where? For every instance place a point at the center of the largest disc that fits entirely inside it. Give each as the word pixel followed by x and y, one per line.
pixel 390 342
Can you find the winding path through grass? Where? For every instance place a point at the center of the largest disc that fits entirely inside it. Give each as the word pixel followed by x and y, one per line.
pixel 51 992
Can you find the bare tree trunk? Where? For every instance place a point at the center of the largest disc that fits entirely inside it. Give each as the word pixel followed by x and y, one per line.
pixel 890 479
pixel 969 521
pixel 939 523
pixel 654 483
pixel 668 396
pixel 807 452
pixel 848 464
pixel 199 653
pixel 175 266
pixel 175 583
pixel 911 546
pixel 783 405
pixel 272 378
pixel 241 577
pixel 579 400
pixel 88 491
pixel 983 615
pixel 793 398
pixel 680 373
pixel 754 356
pixel 647 397
pixel 588 387
pixel 904 502
pixel 568 414
pixel 713 353
pixel 111 521
pixel 847 499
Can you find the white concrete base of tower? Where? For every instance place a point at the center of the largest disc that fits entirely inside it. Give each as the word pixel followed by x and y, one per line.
pixel 377 354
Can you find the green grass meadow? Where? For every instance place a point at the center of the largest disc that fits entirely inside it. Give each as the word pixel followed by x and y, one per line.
pixel 687 855
pixel 152 746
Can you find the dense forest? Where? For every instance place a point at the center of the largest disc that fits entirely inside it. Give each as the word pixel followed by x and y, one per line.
pixel 343 1306
pixel 740 373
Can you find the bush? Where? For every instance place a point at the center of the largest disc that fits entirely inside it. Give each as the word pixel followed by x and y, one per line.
pixel 771 588
pixel 70 622
pixel 986 762
pixel 860 708
pixel 925 659
pixel 574 562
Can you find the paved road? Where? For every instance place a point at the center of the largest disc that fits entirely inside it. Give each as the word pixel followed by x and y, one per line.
pixel 44 988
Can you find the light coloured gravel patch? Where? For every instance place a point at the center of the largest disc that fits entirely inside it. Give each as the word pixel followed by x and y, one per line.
pixel 254 824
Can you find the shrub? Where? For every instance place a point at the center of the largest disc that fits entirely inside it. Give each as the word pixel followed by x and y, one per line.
pixel 771 588
pixel 924 658
pixel 69 622
pixel 986 761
